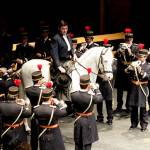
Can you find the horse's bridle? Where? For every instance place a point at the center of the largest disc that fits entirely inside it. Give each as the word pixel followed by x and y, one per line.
pixel 100 60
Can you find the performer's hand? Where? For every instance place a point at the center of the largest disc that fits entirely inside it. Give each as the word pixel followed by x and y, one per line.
pixel 3 70
pixel 39 55
pixel 55 101
pixel 19 61
pixel 129 51
pixel 61 69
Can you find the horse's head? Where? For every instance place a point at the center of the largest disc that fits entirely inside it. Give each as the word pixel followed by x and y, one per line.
pixel 105 66
pixel 97 58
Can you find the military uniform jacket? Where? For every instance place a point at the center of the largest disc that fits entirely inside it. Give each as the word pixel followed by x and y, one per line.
pixel 59 50
pixel 52 137
pixel 5 83
pixel 43 46
pixel 9 111
pixel 85 129
pixel 136 97
pixel 122 80
pixel 24 52
pixel 85 46
pixel 33 93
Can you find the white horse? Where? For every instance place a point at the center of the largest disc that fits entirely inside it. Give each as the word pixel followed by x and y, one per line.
pixel 97 58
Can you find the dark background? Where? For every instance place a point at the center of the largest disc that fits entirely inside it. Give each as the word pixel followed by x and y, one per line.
pixel 104 16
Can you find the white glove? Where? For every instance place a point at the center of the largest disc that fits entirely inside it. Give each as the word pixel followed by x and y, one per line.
pixel 61 69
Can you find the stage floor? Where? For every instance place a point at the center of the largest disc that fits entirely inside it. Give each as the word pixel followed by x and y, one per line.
pixel 117 137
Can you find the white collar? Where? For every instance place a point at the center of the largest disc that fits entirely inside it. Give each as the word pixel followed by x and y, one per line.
pixel 45 38
pixel 90 43
pixel 45 103
pixel 83 90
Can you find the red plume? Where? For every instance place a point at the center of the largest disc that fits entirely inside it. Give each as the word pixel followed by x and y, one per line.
pixel 128 30
pixel 141 46
pixel 17 82
pixel 89 70
pixel 49 84
pixel 105 41
pixel 39 66
pixel 87 28
pixel 71 34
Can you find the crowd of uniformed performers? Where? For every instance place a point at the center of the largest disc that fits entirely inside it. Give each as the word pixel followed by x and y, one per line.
pixel 131 70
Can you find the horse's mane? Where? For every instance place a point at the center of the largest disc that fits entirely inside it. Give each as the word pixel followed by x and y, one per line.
pixel 89 54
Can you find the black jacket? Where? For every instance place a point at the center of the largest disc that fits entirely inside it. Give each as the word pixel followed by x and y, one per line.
pixel 59 50
pixel 24 52
pixel 33 93
pixel 43 47
pixel 85 129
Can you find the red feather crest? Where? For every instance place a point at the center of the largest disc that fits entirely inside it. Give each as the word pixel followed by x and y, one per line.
pixel 141 46
pixel 87 28
pixel 39 66
pixel 105 41
pixel 89 70
pixel 17 82
pixel 128 30
pixel 71 34
pixel 49 84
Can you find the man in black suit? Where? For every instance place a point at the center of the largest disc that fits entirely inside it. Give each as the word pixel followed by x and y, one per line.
pixel 62 50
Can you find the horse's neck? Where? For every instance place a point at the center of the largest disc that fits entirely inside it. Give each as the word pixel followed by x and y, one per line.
pixel 88 59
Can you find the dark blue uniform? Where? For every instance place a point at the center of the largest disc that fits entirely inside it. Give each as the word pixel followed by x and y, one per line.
pixel 85 129
pixel 33 93
pixel 122 82
pixel 137 96
pixel 9 111
pixel 52 137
